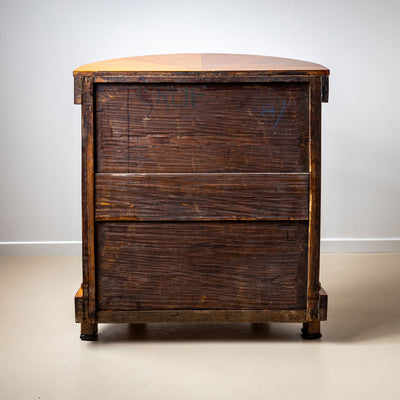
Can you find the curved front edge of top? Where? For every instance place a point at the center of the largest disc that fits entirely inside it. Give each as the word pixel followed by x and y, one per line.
pixel 200 65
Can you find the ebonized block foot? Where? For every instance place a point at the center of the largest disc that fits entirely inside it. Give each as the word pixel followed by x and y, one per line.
pixel 311 330
pixel 88 331
pixel 90 338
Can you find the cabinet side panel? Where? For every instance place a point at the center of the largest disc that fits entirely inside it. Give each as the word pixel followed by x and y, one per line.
pixel 203 265
pixel 192 128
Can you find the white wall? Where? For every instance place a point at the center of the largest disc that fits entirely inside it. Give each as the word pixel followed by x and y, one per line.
pixel 41 42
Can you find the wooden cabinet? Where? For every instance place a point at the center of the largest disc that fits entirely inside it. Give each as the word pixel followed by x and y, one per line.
pixel 201 190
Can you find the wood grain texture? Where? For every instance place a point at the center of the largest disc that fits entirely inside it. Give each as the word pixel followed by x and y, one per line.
pixel 314 199
pixel 231 265
pixel 78 89
pixel 202 128
pixel 201 316
pixel 324 89
pixel 323 305
pixel 201 190
pixel 88 262
pixel 195 77
pixel 201 62
pixel 164 197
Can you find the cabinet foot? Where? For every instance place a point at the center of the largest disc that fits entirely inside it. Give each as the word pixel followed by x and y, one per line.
pixel 311 330
pixel 88 331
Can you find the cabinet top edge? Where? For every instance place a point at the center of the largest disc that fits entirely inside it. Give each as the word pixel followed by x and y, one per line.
pixel 181 64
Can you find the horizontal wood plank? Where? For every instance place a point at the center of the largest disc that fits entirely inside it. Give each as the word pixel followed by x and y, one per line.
pixel 201 316
pixel 202 127
pixel 194 77
pixel 163 197
pixel 231 265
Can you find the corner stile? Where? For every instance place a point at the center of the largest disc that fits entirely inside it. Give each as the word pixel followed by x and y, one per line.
pixel 88 245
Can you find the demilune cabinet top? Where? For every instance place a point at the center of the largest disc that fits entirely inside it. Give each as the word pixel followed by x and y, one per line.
pixel 201 190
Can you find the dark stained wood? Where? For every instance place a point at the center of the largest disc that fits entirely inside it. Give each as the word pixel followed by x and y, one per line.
pixel 88 331
pixel 179 197
pixel 233 265
pixel 196 62
pixel 77 89
pixel 206 198
pixel 202 128
pixel 315 198
pixel 199 316
pixel 325 89
pixel 196 77
pixel 311 330
pixel 88 200
pixel 323 305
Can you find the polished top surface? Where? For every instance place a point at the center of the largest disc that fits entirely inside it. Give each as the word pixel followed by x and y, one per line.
pixel 202 62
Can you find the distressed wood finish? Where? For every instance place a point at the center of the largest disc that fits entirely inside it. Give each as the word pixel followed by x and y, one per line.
pixel 201 178
pixel 198 77
pixel 323 305
pixel 202 128
pixel 324 89
pixel 155 197
pixel 88 262
pixel 314 199
pixel 150 266
pixel 201 316
pixel 78 89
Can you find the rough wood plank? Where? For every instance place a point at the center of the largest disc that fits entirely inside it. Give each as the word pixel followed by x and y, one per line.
pixel 315 198
pixel 202 128
pixel 231 265
pixel 194 77
pixel 77 90
pixel 325 89
pixel 202 316
pixel 162 197
pixel 88 262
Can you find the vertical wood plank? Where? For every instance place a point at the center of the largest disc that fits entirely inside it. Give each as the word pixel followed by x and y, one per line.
pixel 88 250
pixel 77 89
pixel 324 88
pixel 313 285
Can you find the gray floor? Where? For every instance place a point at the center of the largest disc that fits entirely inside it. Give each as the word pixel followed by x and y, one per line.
pixel 357 358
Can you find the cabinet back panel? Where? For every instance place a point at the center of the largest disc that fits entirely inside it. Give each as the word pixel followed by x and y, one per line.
pixel 201 127
pixel 203 265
